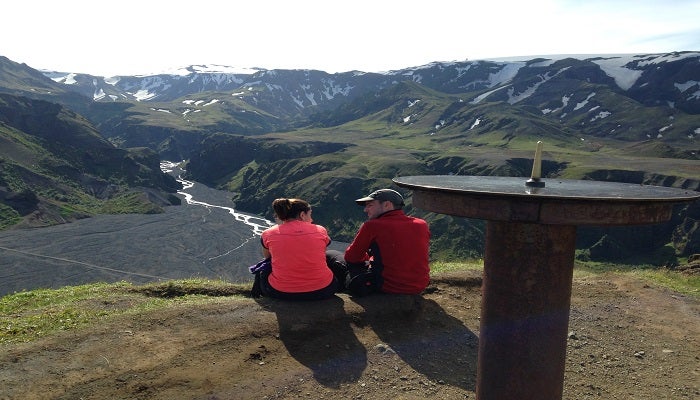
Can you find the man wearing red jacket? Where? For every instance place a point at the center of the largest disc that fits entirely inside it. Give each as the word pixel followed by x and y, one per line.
pixel 389 254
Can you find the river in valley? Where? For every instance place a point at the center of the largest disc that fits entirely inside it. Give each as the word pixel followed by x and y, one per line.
pixel 203 237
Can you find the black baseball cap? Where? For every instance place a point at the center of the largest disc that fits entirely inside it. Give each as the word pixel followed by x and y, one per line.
pixel 383 195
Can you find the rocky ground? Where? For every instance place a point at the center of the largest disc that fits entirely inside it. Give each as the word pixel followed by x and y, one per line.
pixel 627 340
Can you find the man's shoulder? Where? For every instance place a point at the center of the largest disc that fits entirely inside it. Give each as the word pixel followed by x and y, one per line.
pixel 418 223
pixel 412 223
pixel 402 215
pixel 396 216
pixel 417 219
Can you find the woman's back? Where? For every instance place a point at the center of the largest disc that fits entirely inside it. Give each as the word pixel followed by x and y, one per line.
pixel 298 252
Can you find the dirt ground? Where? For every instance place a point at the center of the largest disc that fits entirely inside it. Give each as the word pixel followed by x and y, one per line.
pixel 627 340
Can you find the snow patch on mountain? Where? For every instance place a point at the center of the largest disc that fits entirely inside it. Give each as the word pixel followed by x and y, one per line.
pixel 112 80
pixel 331 89
pixel 478 99
pixel 143 95
pixel 99 94
pixel 207 69
pixel 475 123
pixel 685 86
pixel 308 93
pixel 582 104
pixel 660 58
pixel 505 74
pixel 463 70
pixel 515 98
pixel 543 63
pixel 617 69
pixel 665 128
pixel 297 101
pixel 600 115
pixel 147 88
pixel 61 77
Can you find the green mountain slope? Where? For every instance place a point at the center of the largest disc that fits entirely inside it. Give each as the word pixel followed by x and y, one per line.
pixel 330 138
pixel 408 130
pixel 55 167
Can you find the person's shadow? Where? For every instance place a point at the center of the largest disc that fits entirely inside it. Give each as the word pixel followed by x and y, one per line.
pixel 426 337
pixel 318 334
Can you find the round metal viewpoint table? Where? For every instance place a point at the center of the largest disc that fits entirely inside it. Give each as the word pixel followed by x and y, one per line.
pixel 528 264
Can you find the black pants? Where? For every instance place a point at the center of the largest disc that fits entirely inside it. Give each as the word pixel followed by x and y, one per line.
pixel 336 262
pixel 366 279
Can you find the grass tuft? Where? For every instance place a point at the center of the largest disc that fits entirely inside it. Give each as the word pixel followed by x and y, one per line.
pixel 29 315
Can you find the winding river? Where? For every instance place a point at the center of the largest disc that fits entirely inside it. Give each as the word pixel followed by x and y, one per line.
pixel 203 237
pixel 257 224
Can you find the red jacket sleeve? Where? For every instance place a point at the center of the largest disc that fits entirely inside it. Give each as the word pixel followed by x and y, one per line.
pixel 357 251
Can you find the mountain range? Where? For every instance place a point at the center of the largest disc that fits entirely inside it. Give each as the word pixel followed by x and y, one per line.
pixel 263 134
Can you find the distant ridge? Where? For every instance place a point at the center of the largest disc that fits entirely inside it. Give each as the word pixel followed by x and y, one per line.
pixel 326 137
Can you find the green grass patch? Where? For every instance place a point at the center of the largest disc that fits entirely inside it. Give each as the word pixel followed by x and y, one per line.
pixel 29 315
pixel 450 266
pixel 682 283
pixel 663 277
pixel 128 203
pixel 194 286
pixel 8 216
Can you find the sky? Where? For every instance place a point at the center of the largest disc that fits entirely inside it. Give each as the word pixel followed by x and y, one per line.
pixel 135 37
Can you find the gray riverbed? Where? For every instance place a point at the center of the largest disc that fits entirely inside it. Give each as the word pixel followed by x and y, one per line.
pixel 203 239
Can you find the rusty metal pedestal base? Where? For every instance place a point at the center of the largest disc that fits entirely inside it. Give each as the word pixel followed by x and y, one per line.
pixel 528 271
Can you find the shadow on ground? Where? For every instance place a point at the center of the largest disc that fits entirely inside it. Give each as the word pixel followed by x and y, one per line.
pixel 425 336
pixel 320 335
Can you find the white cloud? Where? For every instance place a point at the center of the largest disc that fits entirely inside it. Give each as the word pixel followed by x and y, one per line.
pixel 110 37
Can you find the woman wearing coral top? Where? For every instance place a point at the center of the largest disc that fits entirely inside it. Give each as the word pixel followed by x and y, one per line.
pixel 302 269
